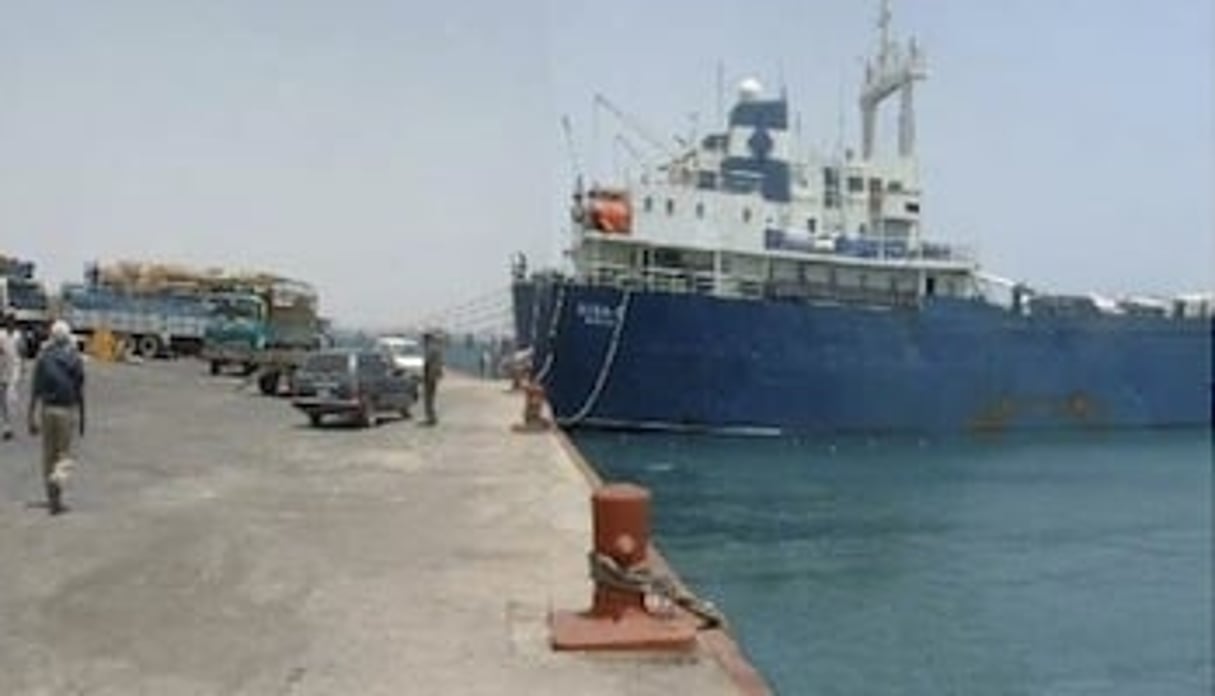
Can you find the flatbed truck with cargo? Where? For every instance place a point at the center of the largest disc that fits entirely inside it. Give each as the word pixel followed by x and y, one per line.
pixel 148 324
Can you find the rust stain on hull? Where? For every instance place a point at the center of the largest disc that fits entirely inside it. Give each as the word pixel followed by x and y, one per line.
pixel 1076 408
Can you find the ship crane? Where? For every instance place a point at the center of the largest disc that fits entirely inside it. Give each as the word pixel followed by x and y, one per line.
pixel 893 70
pixel 635 125
pixel 622 143
pixel 575 162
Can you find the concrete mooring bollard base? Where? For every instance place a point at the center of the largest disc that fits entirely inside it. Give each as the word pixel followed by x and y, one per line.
pixel 633 630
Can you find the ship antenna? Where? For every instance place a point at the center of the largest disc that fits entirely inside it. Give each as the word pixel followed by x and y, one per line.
pixel 571 150
pixel 593 165
pixel 839 120
pixel 884 29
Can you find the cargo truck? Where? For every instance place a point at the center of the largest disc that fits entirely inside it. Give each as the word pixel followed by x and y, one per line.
pixel 151 324
pixel 24 298
pixel 267 328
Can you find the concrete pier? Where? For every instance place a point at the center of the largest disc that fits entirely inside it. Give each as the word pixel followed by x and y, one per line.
pixel 215 544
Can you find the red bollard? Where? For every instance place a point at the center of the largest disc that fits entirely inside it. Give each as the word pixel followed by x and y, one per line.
pixel 533 410
pixel 518 375
pixel 618 618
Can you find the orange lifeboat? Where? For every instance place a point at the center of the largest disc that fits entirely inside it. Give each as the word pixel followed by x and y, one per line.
pixel 608 210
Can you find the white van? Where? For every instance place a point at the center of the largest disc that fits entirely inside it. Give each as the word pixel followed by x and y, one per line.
pixel 406 353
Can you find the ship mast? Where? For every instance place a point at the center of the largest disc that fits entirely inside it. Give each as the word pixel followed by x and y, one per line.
pixel 891 70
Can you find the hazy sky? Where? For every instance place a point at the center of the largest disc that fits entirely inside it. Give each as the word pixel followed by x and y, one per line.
pixel 396 153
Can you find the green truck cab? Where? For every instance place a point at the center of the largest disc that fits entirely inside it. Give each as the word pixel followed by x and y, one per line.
pixel 269 329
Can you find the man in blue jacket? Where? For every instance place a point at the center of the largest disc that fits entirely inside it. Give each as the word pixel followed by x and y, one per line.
pixel 56 408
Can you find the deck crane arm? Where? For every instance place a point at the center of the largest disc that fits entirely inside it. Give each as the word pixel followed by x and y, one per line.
pixel 661 144
pixel 575 163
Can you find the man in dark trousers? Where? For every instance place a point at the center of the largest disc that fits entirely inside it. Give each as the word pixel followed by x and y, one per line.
pixel 56 407
pixel 432 372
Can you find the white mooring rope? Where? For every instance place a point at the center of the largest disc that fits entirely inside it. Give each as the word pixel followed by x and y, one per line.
pixel 605 369
pixel 553 324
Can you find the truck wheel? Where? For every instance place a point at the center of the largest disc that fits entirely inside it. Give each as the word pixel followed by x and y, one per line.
pixel 268 383
pixel 217 366
pixel 314 419
pixel 148 345
pixel 366 415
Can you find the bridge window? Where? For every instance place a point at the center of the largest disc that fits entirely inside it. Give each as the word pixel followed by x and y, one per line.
pixel 893 186
pixel 811 224
pixel 700 210
pixel 831 187
pixel 746 215
pixel 649 204
pixel 667 258
pixel 912 207
pixel 855 184
pixel 670 207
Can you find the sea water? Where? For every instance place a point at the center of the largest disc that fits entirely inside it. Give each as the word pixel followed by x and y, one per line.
pixel 1030 564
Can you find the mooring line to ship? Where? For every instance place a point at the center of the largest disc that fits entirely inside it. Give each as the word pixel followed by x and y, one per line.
pixel 607 572
pixel 531 331
pixel 558 308
pixel 609 358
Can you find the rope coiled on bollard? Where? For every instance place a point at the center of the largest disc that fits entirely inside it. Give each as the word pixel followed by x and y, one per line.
pixel 607 572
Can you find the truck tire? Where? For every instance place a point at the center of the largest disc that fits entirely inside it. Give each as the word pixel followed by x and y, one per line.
pixel 148 345
pixel 268 382
pixel 217 366
pixel 366 417
pixel 314 419
pixel 287 381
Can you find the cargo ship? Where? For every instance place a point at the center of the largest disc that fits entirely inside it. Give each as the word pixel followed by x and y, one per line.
pixel 738 287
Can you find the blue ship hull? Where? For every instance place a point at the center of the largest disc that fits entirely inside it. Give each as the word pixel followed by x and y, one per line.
pixel 610 358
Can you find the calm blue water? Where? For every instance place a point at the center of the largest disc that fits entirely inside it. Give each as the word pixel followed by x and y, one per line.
pixel 1060 564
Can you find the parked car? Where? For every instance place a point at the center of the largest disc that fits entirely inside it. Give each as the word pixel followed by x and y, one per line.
pixel 358 384
pixel 406 353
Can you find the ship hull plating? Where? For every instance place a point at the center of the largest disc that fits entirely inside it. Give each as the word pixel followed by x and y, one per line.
pixel 611 358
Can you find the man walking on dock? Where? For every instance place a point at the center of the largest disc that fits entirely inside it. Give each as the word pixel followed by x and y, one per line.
pixel 432 372
pixel 10 374
pixel 56 405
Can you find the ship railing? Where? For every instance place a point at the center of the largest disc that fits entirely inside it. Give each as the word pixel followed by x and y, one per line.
pixel 685 281
pixel 818 293
pixel 672 280
pixel 745 287
pixel 948 252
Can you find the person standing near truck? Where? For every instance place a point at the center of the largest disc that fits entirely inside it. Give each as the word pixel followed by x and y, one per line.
pixel 432 372
pixel 10 374
pixel 56 408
